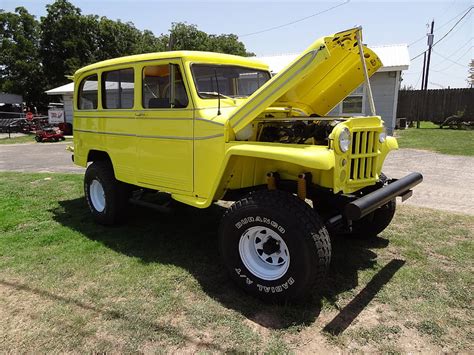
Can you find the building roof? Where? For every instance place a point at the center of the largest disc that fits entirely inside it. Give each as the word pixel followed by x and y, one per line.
pixel 394 58
pixel 61 90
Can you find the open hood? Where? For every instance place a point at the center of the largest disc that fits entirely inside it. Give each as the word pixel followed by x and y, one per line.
pixel 316 81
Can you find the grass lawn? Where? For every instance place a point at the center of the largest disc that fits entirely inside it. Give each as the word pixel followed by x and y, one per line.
pixel 155 284
pixel 431 137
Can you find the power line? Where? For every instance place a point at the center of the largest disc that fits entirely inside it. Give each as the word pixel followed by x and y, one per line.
pixel 295 21
pixel 461 47
pixel 457 50
pixel 442 70
pixel 450 60
pixel 452 28
pixel 447 33
pixel 451 75
pixel 440 27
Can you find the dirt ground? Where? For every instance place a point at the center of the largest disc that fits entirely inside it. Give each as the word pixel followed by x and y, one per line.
pixel 443 187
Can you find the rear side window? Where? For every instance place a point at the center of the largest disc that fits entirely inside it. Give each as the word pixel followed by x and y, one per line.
pixel 163 87
pixel 88 92
pixel 118 89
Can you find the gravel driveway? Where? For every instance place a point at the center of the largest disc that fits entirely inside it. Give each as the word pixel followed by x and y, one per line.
pixel 446 178
pixel 446 184
pixel 37 157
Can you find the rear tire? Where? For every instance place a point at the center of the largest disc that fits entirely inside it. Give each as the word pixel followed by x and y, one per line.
pixel 106 197
pixel 274 245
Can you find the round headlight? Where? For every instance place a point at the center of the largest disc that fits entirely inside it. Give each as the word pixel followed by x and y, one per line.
pixel 382 136
pixel 344 140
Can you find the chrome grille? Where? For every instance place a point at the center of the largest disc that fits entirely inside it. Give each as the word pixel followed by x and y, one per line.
pixel 364 153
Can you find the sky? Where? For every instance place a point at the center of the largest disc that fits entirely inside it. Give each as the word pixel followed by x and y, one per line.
pixel 383 22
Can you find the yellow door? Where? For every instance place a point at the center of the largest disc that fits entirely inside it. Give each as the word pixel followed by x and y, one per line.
pixel 165 128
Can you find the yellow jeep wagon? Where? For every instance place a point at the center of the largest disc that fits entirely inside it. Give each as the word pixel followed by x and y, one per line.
pixel 201 127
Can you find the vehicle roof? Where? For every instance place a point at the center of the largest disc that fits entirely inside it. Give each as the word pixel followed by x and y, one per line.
pixel 190 56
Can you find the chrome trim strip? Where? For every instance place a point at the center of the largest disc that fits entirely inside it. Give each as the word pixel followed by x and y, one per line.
pixel 209 137
pixel 111 133
pixel 313 52
pixel 143 136
pixel 132 116
pixel 132 110
pixel 157 118
pixel 209 121
pixel 166 137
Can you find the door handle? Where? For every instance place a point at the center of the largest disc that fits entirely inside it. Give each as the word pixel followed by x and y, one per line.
pixel 138 114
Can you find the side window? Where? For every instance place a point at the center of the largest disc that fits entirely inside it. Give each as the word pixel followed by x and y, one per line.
pixel 354 102
pixel 163 87
pixel 88 92
pixel 117 89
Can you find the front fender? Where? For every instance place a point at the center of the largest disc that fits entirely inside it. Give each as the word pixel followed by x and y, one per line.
pixel 312 157
pixel 387 146
pixel 246 164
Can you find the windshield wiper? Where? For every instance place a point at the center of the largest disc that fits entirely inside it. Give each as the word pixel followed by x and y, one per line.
pixel 214 93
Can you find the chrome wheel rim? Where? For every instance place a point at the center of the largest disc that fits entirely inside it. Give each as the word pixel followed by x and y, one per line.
pixel 264 253
pixel 97 195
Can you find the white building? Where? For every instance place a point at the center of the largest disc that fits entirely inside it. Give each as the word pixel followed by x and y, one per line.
pixel 385 85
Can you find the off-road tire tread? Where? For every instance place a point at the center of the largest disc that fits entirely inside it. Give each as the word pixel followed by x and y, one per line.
pixel 307 218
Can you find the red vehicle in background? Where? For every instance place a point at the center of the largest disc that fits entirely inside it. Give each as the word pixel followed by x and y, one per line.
pixel 50 134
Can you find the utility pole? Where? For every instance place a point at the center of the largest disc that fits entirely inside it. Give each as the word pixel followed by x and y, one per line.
pixel 427 70
pixel 170 42
pixel 419 107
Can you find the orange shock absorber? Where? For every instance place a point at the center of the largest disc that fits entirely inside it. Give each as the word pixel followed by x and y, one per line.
pixel 301 186
pixel 272 180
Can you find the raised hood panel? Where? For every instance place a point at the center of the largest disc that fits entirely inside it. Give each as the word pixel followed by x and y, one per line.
pixel 316 81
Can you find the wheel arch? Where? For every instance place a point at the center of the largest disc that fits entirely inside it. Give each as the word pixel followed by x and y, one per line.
pixel 98 155
pixel 246 165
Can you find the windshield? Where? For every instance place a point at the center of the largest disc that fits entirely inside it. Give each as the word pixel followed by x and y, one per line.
pixel 232 81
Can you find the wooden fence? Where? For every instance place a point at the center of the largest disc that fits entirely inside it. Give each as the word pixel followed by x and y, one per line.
pixel 435 105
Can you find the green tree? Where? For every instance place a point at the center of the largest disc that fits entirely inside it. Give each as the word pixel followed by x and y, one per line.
pixel 20 65
pixel 36 55
pixel 116 39
pixel 183 36
pixel 187 37
pixel 150 43
pixel 68 42
pixel 229 44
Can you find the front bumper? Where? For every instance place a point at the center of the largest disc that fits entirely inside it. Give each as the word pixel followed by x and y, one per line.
pixel 361 207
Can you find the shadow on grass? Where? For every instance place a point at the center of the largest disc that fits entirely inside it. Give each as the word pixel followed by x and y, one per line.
pixel 187 238
pixel 350 312
pixel 167 328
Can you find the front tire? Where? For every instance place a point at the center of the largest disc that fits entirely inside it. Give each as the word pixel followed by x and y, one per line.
pixel 376 222
pixel 106 197
pixel 274 245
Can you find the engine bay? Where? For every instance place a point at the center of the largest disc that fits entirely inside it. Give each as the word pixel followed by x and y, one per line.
pixel 298 130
